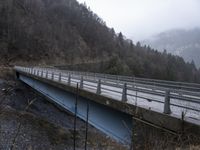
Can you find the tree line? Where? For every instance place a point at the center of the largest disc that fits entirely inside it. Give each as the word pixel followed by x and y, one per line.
pixel 64 32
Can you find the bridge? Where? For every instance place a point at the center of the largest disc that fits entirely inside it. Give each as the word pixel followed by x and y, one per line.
pixel 117 102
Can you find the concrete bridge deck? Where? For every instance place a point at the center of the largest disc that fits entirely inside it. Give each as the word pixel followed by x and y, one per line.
pixel 119 99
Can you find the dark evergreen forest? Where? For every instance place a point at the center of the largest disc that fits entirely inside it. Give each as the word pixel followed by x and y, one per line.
pixel 59 32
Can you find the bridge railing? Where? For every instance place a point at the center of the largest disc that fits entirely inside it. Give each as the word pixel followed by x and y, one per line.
pixel 126 91
pixel 162 83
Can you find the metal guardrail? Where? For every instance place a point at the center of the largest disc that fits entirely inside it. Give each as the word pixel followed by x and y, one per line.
pixel 155 82
pixel 126 88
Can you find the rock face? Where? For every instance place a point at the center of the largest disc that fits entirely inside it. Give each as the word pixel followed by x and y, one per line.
pixel 185 43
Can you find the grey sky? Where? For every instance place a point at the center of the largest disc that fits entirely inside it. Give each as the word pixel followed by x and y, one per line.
pixel 139 19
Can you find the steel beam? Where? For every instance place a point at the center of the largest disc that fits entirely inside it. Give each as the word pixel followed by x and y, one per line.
pixel 112 122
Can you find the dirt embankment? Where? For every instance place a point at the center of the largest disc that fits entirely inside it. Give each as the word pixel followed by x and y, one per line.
pixel 28 121
pixel 6 73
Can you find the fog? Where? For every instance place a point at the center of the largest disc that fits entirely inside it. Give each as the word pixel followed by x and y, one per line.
pixel 140 19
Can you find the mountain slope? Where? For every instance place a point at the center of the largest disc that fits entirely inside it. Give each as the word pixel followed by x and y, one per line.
pixel 185 43
pixel 64 32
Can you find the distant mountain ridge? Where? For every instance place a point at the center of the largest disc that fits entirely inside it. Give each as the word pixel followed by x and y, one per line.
pixel 184 43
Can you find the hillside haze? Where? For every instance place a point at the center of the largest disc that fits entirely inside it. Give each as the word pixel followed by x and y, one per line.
pixel 184 43
pixel 64 32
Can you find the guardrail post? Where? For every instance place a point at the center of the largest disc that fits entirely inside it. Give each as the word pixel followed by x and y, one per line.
pixel 124 93
pixel 99 87
pixel 59 77
pixel 52 75
pixel 167 102
pixel 81 83
pixel 47 74
pixel 69 79
pixel 42 74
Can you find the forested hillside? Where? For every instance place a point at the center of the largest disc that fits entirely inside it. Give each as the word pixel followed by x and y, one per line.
pixel 59 32
pixel 184 43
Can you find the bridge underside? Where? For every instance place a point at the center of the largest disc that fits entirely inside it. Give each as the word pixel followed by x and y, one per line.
pixel 112 122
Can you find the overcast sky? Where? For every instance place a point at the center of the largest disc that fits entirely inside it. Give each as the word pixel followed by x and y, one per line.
pixel 139 19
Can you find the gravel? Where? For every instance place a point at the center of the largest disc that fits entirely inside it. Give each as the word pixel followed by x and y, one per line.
pixel 42 125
